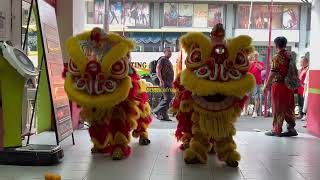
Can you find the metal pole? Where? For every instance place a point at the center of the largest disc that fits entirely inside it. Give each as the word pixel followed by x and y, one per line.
pixel 106 16
pixel 124 17
pixel 266 93
pixel 250 14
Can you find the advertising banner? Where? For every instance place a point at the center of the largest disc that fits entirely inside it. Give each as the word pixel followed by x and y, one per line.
pixel 200 15
pixel 290 17
pixel 185 15
pixel 98 11
pixel 283 16
pixel 260 17
pixel 115 14
pixel 137 14
pixel 215 15
pixel 276 17
pixel 243 16
pixel 170 14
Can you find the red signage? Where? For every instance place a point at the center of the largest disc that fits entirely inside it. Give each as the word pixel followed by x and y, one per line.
pixel 52 3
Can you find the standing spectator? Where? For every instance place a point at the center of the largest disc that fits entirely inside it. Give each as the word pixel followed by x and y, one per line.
pixel 305 96
pixel 165 74
pixel 256 68
pixel 282 97
pixel 304 63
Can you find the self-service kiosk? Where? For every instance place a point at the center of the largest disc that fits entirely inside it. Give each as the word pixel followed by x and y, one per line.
pixel 15 69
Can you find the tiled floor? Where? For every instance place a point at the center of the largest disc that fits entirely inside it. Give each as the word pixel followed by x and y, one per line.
pixel 263 158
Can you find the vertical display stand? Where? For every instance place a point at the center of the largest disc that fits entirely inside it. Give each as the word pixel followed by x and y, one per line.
pixel 50 78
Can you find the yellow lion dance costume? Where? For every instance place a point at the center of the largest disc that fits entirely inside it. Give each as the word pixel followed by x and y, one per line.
pixel 112 96
pixel 210 94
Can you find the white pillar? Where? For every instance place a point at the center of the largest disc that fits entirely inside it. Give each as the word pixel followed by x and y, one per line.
pixel 65 24
pixel 314 36
pixel 79 16
pixel 229 20
pixel 303 29
pixel 16 23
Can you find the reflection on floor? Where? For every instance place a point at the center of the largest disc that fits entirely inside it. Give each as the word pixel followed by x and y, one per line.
pixel 263 158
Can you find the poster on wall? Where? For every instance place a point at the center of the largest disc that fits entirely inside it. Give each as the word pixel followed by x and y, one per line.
pixel 115 14
pixel 260 17
pixel 54 64
pixel 215 15
pixel 98 11
pixel 200 15
pixel 290 17
pixel 170 14
pixel 137 14
pixel 243 16
pixel 276 16
pixel 185 15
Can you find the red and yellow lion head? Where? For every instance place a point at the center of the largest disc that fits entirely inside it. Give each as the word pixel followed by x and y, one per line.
pixel 216 73
pixel 98 69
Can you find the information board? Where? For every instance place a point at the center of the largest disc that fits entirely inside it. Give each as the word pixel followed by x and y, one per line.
pixel 54 63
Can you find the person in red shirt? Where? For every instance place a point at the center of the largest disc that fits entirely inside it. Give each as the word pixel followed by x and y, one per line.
pixel 256 68
pixel 304 63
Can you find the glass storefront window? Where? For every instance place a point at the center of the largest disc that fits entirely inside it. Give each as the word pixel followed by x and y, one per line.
pixel 31 44
pixel 146 41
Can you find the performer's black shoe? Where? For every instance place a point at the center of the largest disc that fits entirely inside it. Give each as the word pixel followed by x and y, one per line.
pixel 144 142
pixel 271 133
pixel 289 133
pixel 232 163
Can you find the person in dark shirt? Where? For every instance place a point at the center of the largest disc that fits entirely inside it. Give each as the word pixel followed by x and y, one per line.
pixel 282 97
pixel 165 74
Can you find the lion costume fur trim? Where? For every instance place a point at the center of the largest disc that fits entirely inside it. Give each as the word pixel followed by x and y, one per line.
pixel 203 87
pixel 101 102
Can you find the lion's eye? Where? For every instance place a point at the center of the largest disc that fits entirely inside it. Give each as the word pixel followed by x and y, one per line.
pixel 120 69
pixel 195 56
pixel 73 69
pixel 241 60
pixel 194 59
